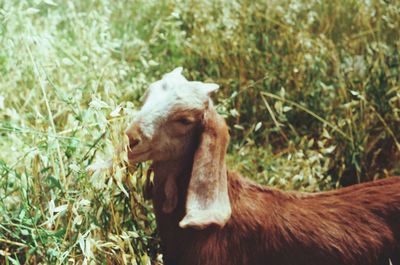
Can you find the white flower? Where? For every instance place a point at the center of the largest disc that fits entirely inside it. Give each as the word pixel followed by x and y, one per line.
pixel 74 167
pixel 54 212
pixel 1 102
pixel 97 104
pixel 101 165
pixel 116 112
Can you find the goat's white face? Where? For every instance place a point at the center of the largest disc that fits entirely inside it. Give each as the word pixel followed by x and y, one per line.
pixel 164 127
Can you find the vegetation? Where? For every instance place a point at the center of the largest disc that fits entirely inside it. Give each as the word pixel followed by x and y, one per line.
pixel 310 89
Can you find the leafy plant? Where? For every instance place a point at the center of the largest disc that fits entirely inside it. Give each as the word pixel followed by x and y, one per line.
pixel 310 90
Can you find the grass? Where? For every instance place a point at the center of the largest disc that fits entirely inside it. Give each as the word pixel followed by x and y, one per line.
pixel 310 89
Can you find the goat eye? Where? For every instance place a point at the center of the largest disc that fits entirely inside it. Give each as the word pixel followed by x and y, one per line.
pixel 184 121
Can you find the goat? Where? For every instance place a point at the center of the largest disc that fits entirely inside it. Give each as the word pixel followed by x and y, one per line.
pixel 207 215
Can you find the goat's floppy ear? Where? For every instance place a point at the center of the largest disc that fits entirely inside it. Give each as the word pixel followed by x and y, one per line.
pixel 207 199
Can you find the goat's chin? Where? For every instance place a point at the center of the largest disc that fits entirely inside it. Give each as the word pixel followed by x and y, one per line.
pixel 138 157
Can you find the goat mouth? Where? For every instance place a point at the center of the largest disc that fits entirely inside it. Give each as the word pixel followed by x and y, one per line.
pixel 136 156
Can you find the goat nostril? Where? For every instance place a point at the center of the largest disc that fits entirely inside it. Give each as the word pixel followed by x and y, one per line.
pixel 133 143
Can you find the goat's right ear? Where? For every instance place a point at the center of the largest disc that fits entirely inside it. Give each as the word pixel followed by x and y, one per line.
pixel 207 88
pixel 207 199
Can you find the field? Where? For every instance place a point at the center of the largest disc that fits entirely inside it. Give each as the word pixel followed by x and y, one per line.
pixel 310 90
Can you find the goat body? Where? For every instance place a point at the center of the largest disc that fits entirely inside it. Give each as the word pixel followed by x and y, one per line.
pixel 357 225
pixel 209 216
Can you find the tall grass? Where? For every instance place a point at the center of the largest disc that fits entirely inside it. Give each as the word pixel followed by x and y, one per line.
pixel 310 90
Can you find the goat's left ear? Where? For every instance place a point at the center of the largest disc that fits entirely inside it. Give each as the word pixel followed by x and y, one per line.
pixel 207 199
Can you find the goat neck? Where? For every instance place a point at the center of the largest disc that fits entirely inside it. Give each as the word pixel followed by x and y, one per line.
pixel 171 179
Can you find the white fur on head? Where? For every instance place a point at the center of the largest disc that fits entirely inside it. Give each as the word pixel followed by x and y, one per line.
pixel 172 90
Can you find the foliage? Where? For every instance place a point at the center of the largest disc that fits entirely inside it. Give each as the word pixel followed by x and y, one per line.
pixel 310 90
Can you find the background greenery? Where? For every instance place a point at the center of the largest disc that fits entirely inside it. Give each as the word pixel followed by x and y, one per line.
pixel 310 90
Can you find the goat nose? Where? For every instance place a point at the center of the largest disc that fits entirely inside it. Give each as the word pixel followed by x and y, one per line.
pixel 134 135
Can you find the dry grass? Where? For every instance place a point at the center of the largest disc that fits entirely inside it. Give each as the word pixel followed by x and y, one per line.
pixel 311 91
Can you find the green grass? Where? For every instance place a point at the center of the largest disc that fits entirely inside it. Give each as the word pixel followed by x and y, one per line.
pixel 310 89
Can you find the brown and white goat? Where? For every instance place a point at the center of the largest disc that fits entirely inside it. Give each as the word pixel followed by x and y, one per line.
pixel 207 215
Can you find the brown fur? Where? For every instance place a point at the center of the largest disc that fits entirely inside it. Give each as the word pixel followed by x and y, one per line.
pixel 357 225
